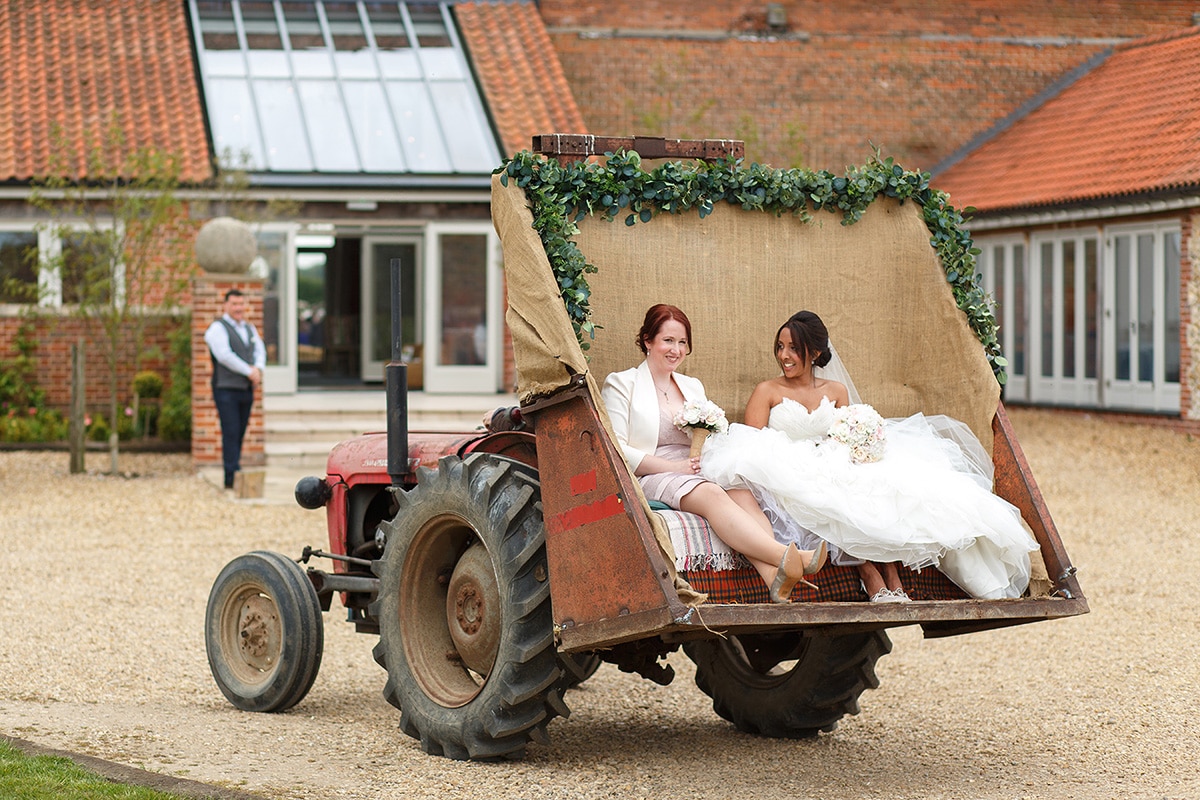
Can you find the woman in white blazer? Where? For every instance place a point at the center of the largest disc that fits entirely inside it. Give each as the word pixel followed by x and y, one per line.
pixel 642 403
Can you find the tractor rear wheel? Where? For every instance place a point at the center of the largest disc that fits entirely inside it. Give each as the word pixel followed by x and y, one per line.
pixel 465 629
pixel 787 685
pixel 263 632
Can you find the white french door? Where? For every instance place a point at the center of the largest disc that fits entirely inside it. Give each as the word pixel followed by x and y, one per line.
pixel 463 299
pixel 1141 314
pixel 1064 318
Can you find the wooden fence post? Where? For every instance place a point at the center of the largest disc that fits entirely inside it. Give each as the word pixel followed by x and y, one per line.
pixel 77 427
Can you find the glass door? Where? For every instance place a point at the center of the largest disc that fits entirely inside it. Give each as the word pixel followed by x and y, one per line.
pixel 378 252
pixel 463 305
pixel 1141 313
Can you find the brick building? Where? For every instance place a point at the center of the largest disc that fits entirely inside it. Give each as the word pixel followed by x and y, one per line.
pixel 379 123
pixel 1088 202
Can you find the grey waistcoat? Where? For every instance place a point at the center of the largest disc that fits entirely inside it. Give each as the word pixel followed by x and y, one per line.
pixel 223 377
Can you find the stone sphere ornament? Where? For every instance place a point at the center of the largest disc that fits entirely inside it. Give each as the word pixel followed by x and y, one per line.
pixel 225 246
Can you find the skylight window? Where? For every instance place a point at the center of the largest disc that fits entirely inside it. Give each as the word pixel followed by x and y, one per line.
pixel 341 86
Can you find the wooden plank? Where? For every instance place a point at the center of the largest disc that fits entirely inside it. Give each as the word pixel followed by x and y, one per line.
pixel 583 145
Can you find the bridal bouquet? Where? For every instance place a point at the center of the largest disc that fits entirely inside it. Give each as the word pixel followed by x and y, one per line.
pixel 859 427
pixel 702 418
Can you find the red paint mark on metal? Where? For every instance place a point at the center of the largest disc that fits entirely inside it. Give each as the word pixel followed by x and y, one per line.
pixel 582 515
pixel 584 482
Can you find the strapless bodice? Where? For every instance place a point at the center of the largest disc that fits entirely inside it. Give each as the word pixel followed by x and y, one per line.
pixel 799 423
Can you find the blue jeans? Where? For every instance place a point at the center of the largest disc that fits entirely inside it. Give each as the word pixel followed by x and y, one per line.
pixel 233 410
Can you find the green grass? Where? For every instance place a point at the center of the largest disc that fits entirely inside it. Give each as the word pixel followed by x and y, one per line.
pixel 25 777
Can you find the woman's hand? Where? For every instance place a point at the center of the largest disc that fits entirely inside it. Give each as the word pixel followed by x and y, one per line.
pixel 654 464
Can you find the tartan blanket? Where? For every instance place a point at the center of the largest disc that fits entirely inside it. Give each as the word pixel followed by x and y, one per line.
pixel 711 567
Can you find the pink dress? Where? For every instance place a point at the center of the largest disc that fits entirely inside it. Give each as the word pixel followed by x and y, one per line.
pixel 670 487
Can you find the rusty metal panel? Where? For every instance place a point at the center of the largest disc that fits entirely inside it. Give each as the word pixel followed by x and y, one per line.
pixel 937 618
pixel 603 559
pixel 1014 482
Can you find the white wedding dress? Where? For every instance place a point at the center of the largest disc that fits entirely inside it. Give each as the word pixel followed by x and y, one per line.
pixel 926 503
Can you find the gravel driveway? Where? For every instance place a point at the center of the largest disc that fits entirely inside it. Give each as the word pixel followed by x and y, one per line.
pixel 106 578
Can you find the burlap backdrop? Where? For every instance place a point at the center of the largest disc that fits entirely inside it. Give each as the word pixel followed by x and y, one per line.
pixel 738 275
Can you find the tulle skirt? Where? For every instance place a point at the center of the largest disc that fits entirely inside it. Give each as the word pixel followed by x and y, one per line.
pixel 926 503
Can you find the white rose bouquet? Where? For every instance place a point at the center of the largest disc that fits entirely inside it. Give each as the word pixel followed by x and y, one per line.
pixel 702 418
pixel 860 428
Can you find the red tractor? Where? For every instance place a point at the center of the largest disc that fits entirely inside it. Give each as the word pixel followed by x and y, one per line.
pixel 500 568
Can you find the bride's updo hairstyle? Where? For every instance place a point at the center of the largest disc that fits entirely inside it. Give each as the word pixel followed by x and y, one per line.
pixel 657 316
pixel 809 332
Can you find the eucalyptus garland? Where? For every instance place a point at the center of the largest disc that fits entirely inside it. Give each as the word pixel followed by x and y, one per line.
pixel 561 195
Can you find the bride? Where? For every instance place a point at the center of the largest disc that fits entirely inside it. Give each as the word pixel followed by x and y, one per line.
pixel 927 502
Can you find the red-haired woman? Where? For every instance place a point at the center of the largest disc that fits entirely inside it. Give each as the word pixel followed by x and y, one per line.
pixel 642 403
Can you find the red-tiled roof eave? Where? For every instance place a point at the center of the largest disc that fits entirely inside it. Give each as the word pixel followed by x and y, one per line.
pixel 1181 191
pixel 519 73
pixel 1126 129
pixel 75 67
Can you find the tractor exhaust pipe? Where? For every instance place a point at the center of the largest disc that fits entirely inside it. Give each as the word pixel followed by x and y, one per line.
pixel 396 375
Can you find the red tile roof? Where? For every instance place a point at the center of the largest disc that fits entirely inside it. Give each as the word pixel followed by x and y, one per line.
pixel 519 72
pixel 79 64
pixel 1129 126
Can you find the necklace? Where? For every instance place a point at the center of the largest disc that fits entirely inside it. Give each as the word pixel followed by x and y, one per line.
pixel 664 391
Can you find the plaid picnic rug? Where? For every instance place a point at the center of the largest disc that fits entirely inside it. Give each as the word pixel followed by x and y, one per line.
pixel 726 577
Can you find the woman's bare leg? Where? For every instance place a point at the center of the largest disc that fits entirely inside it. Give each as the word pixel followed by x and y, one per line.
pixel 739 528
pixel 872 580
pixel 891 576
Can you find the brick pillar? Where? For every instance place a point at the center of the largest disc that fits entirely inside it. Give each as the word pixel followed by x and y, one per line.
pixel 208 297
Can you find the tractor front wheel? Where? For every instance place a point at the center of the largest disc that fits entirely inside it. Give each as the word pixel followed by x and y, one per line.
pixel 263 632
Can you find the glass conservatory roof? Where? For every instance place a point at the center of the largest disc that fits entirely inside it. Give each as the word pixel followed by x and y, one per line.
pixel 340 87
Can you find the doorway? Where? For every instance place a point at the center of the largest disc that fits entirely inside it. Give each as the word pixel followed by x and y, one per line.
pixel 451 307
pixel 328 345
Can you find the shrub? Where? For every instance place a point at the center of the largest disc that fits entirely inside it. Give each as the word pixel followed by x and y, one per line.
pixel 35 425
pixel 148 384
pixel 98 429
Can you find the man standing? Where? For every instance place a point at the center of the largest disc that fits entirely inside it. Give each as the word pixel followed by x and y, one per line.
pixel 238 357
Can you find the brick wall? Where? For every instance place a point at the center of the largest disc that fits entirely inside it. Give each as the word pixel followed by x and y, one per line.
pixel 55 335
pixel 208 293
pixel 917 78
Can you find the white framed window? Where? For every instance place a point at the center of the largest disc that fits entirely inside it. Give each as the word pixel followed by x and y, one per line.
pixel 1089 317
pixel 43 267
pixel 463 307
pixel 19 269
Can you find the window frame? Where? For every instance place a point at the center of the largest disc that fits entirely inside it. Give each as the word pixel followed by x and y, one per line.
pixel 49 277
